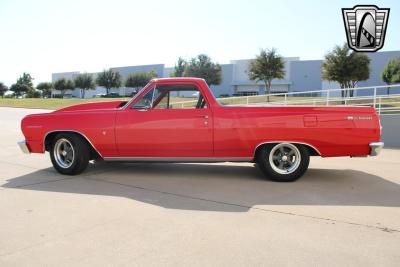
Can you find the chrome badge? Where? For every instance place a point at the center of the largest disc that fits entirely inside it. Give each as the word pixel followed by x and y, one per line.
pixel 352 118
pixel 365 27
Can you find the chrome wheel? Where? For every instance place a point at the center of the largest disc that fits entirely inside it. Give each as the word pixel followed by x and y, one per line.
pixel 284 158
pixel 64 153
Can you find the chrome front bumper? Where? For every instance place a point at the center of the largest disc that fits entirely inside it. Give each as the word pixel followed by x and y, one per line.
pixel 376 148
pixel 22 145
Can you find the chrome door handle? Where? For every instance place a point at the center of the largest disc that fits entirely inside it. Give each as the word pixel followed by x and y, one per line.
pixel 203 116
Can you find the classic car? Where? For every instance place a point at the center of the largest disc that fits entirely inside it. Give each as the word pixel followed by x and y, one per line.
pixel 152 127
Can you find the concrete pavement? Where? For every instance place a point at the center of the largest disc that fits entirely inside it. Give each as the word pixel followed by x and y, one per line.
pixel 342 212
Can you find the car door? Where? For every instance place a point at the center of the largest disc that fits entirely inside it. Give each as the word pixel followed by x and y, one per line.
pixel 158 128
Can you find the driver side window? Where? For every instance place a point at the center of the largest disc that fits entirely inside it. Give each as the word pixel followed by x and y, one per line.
pixel 178 96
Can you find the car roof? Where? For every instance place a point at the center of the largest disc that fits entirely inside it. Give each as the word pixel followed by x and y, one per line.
pixel 178 79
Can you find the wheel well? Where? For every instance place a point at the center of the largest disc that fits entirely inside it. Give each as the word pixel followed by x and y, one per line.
pixel 311 150
pixel 50 137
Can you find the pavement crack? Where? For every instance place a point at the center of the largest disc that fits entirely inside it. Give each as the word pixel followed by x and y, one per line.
pixel 382 228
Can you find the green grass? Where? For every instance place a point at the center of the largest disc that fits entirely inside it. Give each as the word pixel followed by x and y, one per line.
pixel 50 103
pixel 57 103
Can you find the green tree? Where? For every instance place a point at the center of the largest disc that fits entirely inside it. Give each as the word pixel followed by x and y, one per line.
pixel 391 73
pixel 132 80
pixel 33 93
pixel 85 82
pixel 26 79
pixel 45 88
pixel 19 89
pixel 360 69
pixel 267 65
pixel 109 79
pixel 63 85
pixel 346 67
pixel 139 79
pixel 3 89
pixel 202 67
pixel 23 85
pixel 179 69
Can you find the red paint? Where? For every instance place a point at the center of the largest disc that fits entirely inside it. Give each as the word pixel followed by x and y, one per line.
pixel 229 132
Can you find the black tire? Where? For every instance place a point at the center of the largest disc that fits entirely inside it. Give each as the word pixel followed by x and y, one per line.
pixel 270 172
pixel 78 161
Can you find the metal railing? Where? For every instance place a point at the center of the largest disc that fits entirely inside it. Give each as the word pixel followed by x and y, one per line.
pixel 376 96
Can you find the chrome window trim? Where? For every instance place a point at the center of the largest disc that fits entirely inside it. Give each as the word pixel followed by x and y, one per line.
pixel 292 142
pixel 71 131
pixel 154 82
pixel 180 159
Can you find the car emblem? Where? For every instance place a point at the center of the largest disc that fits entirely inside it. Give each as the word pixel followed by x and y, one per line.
pixel 365 27
pixel 352 118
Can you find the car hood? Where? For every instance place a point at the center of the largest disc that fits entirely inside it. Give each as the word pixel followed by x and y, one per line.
pixel 94 106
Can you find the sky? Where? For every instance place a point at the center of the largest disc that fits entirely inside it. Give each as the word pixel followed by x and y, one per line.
pixel 46 36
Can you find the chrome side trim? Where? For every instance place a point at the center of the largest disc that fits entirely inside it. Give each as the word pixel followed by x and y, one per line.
pixel 292 142
pixel 179 159
pixel 22 145
pixel 72 131
pixel 376 148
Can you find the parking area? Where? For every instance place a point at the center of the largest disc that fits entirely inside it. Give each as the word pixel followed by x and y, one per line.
pixel 342 212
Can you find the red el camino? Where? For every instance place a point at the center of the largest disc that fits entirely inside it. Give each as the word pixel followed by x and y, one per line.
pixel 151 128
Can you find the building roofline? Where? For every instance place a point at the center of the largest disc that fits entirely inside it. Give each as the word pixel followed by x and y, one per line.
pixel 309 60
pixel 66 72
pixel 145 65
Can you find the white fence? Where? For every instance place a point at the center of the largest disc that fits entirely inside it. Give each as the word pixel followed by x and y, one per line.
pixel 385 99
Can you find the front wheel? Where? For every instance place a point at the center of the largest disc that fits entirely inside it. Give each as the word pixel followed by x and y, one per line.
pixel 283 162
pixel 69 154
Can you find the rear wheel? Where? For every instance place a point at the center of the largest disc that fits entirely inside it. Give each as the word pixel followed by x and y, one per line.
pixel 69 154
pixel 283 162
